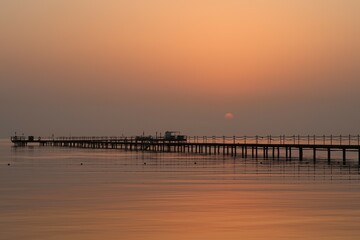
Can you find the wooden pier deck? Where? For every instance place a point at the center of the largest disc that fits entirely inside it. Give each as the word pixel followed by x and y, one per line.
pixel 288 147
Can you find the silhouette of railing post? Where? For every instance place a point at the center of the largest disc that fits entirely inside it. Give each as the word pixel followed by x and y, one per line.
pixel 349 139
pixel 331 139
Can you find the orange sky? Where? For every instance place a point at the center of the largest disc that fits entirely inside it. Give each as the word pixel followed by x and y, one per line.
pixel 214 56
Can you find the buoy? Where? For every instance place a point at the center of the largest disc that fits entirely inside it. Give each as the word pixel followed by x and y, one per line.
pixel 144 163
pixel 8 164
pixel 194 162
pixel 81 163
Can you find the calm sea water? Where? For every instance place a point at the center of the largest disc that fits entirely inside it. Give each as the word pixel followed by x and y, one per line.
pixel 46 193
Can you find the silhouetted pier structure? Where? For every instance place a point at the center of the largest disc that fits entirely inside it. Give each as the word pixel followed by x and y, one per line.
pixel 288 147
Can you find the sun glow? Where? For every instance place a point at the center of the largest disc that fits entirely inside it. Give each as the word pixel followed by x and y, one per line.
pixel 229 116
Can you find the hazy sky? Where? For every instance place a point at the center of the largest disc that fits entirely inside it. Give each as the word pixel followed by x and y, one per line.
pixel 90 67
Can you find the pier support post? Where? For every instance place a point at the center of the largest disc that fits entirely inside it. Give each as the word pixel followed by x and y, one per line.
pixel 344 156
pixel 314 154
pixel 290 153
pixel 329 155
pixel 267 152
pixel 264 152
pixel 300 154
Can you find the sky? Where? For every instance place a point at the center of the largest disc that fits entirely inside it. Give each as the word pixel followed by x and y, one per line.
pixel 107 68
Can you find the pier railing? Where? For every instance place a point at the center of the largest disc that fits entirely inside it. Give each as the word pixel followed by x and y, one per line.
pixel 352 140
pixel 282 139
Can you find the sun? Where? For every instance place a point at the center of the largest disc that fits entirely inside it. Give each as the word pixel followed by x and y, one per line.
pixel 229 116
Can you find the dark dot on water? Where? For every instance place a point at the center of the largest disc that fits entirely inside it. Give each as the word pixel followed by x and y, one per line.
pixel 194 162
pixel 144 163
pixel 260 162
pixel 8 164
pixel 81 163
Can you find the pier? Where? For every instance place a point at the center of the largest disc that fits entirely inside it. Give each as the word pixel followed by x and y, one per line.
pixel 274 147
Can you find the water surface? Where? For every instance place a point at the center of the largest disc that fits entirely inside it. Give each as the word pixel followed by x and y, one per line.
pixel 46 193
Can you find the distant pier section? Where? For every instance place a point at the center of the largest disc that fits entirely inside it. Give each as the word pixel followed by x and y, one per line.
pixel 287 147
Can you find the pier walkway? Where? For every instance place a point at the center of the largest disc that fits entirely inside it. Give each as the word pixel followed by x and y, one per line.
pixel 287 147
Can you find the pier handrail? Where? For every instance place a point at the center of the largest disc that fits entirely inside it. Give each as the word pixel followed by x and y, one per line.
pixel 353 140
pixel 331 140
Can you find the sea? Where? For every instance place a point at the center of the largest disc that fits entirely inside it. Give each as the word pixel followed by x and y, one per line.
pixel 53 193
